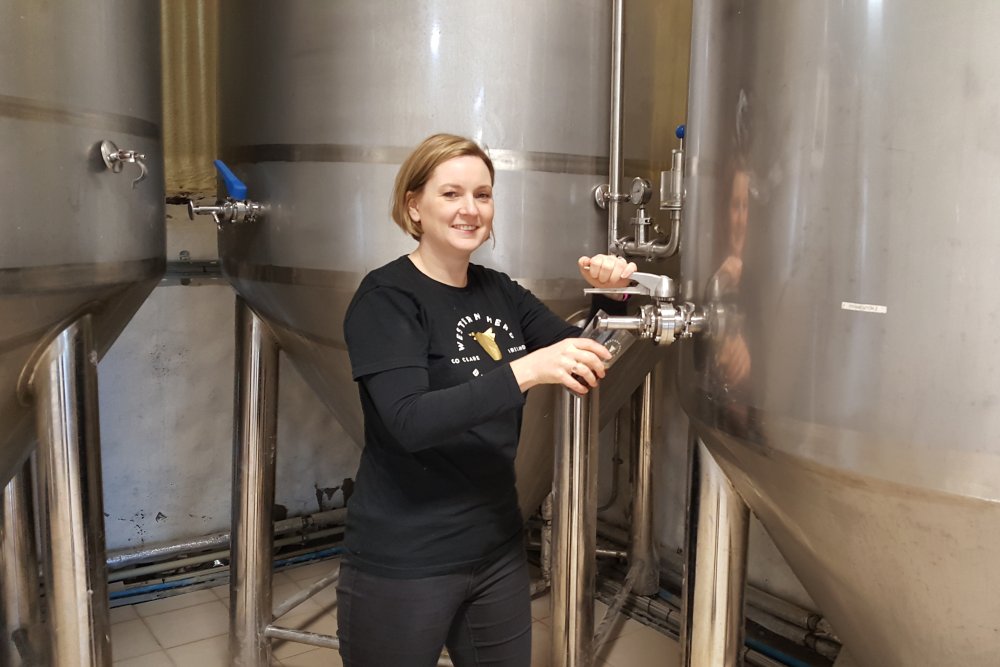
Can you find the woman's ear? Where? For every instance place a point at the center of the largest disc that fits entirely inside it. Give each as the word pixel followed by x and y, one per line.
pixel 411 206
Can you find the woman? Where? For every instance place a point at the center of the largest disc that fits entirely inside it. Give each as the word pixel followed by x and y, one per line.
pixel 443 351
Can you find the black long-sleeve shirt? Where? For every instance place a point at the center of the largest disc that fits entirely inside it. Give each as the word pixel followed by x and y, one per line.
pixel 435 490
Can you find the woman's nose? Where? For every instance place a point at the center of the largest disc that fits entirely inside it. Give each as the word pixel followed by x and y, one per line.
pixel 469 206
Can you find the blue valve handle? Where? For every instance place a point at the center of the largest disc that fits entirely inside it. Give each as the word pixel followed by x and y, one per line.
pixel 236 188
pixel 680 132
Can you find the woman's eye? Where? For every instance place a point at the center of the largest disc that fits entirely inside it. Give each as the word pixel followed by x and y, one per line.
pixel 451 195
pixel 484 196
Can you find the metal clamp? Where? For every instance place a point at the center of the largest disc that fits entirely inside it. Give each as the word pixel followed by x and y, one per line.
pixel 603 195
pixel 230 210
pixel 115 160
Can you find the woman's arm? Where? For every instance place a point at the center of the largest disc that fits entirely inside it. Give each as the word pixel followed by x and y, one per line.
pixel 419 418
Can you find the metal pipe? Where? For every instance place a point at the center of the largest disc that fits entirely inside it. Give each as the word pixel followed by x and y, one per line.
pixel 254 449
pixel 133 556
pixel 322 641
pixel 604 629
pixel 612 533
pixel 170 565
pixel 302 596
pixel 718 524
pixel 792 632
pixel 546 537
pixel 574 529
pixel 21 614
pixel 64 388
pixel 615 156
pixel 642 547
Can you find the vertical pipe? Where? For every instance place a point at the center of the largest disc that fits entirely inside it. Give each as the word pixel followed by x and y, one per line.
pixel 255 433
pixel 64 386
pixel 615 157
pixel 574 529
pixel 642 548
pixel 718 525
pixel 546 555
pixel 23 638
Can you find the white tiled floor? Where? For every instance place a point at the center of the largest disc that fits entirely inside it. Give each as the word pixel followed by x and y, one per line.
pixel 191 631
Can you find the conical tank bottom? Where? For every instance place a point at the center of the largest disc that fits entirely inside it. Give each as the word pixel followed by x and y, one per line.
pixel 38 302
pixel 907 576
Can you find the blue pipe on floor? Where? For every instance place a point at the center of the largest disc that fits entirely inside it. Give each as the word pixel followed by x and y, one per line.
pixel 180 583
pixel 756 645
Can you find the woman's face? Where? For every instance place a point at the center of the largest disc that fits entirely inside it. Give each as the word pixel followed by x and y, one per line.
pixel 455 208
pixel 739 206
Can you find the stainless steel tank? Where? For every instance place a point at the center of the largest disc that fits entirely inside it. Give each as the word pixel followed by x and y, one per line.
pixel 75 236
pixel 320 104
pixel 843 164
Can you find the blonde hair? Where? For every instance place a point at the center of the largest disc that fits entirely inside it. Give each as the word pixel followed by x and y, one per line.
pixel 418 168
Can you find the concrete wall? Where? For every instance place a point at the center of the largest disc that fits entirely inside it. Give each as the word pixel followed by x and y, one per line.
pixel 166 389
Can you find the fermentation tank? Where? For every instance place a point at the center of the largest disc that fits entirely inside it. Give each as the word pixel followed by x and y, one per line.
pixel 75 236
pixel 843 178
pixel 322 102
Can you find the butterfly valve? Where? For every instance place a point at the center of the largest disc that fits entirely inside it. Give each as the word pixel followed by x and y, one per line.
pixel 235 208
pixel 663 320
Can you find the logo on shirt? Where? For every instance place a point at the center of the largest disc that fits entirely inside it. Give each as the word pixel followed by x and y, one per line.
pixel 489 343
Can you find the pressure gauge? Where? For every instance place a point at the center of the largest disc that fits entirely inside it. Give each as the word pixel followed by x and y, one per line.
pixel 642 192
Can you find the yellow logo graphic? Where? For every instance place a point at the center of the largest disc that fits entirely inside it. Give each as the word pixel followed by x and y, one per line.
pixel 488 340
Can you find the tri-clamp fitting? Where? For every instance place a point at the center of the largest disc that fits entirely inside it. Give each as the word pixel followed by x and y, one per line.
pixel 235 208
pixel 663 320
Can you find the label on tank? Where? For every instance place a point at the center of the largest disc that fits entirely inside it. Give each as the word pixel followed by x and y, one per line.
pixel 864 307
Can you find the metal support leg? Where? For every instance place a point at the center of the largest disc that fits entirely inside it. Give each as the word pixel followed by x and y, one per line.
pixel 574 530
pixel 718 524
pixel 254 438
pixel 64 387
pixel 642 548
pixel 23 640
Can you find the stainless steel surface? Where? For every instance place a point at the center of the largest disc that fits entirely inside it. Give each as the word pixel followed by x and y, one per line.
pixel 63 386
pixel 20 595
pixel 75 237
pixel 616 462
pixel 306 593
pixel 326 169
pixel 823 171
pixel 642 558
pixel 715 577
pixel 254 450
pixel 574 529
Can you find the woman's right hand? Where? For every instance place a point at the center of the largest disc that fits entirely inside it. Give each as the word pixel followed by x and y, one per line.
pixel 558 363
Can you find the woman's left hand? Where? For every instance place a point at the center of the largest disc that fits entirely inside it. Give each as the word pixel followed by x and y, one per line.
pixel 606 271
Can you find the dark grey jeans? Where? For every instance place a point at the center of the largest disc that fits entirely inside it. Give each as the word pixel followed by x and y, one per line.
pixel 483 617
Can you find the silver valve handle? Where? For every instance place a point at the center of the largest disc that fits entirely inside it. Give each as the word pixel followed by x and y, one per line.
pixel 646 284
pixel 115 160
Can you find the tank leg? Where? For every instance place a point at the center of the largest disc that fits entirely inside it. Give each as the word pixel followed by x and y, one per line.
pixel 22 638
pixel 64 386
pixel 718 524
pixel 255 436
pixel 574 530
pixel 642 548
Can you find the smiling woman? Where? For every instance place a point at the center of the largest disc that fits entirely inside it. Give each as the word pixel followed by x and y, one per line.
pixel 443 351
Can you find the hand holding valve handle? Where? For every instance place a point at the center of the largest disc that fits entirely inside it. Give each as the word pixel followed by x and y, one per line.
pixel 577 362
